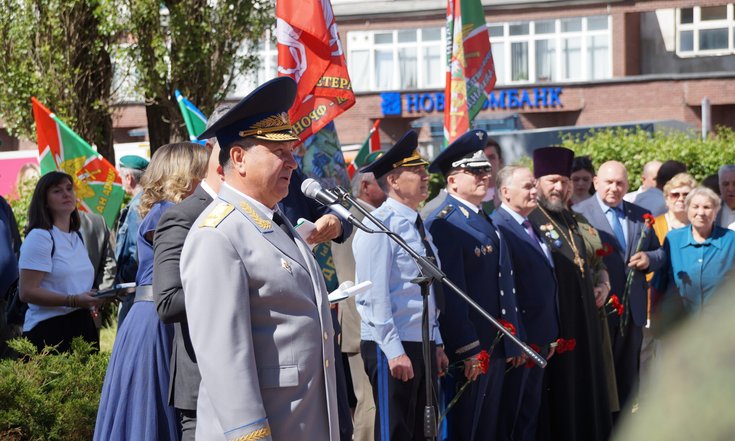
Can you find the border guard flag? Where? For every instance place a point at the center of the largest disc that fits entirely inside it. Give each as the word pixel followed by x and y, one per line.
pixel 194 119
pixel 96 182
pixel 371 144
pixel 470 68
pixel 310 52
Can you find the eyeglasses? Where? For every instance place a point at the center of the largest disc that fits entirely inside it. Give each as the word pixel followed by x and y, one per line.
pixel 477 171
pixel 676 194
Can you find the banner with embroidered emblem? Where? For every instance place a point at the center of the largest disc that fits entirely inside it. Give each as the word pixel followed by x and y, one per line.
pixel 310 52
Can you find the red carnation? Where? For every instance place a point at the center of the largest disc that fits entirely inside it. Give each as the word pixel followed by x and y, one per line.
pixel 509 326
pixel 606 250
pixel 484 358
pixel 649 219
pixel 530 363
pixel 563 345
pixel 616 305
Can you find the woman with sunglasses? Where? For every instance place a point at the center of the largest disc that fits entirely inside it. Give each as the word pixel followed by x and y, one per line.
pixel 675 193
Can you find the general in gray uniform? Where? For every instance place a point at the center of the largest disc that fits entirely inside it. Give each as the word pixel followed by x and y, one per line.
pixel 255 298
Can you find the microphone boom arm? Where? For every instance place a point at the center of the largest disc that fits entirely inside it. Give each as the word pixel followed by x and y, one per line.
pixel 429 269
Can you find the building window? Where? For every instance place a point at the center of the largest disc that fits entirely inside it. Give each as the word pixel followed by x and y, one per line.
pixel 541 51
pixel 396 59
pixel 705 31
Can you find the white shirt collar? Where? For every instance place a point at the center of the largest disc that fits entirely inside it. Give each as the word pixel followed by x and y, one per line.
pixel 518 218
pixel 469 205
pixel 210 191
pixel 259 205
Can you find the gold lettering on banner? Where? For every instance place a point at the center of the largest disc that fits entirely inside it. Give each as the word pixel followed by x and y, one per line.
pixel 334 83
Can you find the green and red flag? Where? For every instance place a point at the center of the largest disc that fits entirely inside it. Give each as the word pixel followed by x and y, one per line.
pixel 470 68
pixel 194 119
pixel 96 182
pixel 310 52
pixel 371 144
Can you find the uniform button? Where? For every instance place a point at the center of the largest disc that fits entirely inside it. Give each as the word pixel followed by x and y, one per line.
pixel 514 290
pixel 326 336
pixel 326 363
pixel 502 311
pixel 523 311
pixel 516 309
pixel 501 292
pixel 511 272
pixel 700 261
pixel 500 275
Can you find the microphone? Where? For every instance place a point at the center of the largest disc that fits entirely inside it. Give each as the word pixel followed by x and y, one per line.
pixel 313 190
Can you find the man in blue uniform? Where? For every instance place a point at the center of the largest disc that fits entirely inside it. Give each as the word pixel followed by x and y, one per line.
pixel 391 309
pixel 537 290
pixel 475 257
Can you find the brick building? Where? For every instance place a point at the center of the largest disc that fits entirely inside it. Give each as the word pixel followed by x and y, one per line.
pixel 562 65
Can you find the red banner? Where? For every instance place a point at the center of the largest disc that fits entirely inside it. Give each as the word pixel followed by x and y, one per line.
pixel 310 52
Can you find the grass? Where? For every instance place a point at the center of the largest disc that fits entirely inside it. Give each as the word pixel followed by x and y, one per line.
pixel 107 337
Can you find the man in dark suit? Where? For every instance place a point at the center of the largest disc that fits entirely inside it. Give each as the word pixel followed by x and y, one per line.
pixel 172 229
pixel 536 296
pixel 476 258
pixel 636 248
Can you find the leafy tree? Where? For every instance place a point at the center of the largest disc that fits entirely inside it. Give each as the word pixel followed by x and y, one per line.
pixel 196 46
pixel 635 148
pixel 58 51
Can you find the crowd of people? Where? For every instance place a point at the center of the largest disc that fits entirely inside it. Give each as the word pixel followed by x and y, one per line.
pixel 230 334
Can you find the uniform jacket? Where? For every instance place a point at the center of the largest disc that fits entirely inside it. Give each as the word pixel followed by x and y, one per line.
pixel 168 293
pixel 535 280
pixel 344 263
pixel 617 261
pixel 126 248
pixel 260 327
pixel 96 239
pixel 476 258
pixel 296 205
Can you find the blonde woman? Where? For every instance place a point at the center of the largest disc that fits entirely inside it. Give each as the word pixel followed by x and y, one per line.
pixel 134 402
pixel 675 193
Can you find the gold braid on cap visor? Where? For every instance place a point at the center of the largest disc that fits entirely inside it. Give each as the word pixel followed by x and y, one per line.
pixel 275 127
pixel 413 160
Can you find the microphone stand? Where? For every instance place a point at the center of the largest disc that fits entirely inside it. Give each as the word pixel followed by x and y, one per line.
pixel 430 272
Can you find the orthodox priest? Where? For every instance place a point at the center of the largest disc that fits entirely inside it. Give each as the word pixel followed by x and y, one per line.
pixel 575 405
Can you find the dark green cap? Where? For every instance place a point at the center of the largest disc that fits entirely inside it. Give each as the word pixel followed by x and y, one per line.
pixel 134 162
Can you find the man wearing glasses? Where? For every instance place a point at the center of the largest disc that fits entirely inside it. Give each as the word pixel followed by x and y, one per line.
pixel 474 256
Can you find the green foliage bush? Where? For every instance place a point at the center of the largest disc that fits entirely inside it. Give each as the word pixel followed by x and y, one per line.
pixel 634 148
pixel 49 396
pixel 20 202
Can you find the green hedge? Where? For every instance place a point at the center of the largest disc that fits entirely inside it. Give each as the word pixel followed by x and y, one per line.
pixel 636 147
pixel 48 396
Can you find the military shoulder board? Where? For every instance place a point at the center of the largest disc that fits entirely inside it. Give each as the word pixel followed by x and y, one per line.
pixel 445 211
pixel 217 215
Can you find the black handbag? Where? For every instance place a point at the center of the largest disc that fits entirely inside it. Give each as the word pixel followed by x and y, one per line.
pixel 15 308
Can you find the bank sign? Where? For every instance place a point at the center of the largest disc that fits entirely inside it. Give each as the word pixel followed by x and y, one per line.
pixel 396 103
